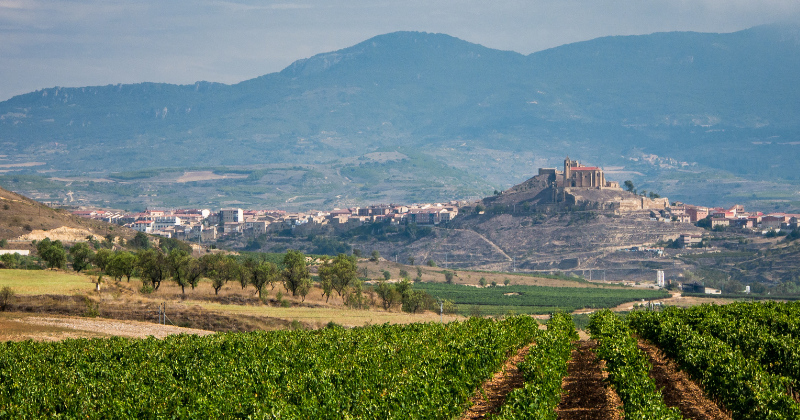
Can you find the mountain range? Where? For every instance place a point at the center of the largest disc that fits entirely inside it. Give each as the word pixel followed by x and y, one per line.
pixel 665 109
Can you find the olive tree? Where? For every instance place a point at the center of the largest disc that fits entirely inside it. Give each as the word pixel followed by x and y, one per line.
pixel 81 256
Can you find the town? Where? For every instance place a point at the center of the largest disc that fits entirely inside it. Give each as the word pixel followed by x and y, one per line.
pixel 576 184
pixel 204 225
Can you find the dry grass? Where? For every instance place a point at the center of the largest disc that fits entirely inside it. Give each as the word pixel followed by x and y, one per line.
pixel 40 282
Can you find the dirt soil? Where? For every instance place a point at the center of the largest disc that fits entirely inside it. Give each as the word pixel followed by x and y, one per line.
pixel 587 397
pixel 497 388
pixel 42 328
pixel 187 316
pixel 678 390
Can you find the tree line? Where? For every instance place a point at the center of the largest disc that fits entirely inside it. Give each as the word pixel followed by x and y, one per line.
pixel 156 265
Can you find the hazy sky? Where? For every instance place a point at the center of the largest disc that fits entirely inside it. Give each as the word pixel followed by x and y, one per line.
pixel 46 43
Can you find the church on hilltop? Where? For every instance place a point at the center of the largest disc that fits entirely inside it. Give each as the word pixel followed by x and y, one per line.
pixel 576 175
pixel 576 185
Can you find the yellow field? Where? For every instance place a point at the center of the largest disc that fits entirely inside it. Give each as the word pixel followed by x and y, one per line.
pixel 45 282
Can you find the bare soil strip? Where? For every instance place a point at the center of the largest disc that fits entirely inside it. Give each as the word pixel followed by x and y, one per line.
pixel 586 395
pixel 497 388
pixel 678 390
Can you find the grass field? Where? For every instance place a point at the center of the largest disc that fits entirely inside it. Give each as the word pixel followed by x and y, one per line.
pixel 40 282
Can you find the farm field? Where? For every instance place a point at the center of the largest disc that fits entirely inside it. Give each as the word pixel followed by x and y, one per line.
pixel 744 355
pixel 389 371
pixel 315 311
pixel 38 282
pixel 534 299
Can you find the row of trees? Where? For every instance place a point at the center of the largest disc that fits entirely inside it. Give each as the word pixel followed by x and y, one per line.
pixel 154 266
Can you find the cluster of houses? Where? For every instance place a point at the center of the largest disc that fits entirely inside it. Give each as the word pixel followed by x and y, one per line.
pixel 205 225
pixel 735 216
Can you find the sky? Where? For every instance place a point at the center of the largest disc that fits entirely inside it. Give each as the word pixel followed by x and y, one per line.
pixel 47 43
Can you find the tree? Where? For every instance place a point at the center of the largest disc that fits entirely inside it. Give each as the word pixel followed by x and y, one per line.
pixel 705 223
pixel 263 273
pixel 115 269
pixel 653 195
pixel 431 263
pixel 219 268
pixel 628 186
pixel 376 256
pixel 482 281
pixel 506 282
pixel 411 260
pixel 81 256
pixel 102 257
pixel 388 294
pixel 416 301
pixel 179 262
pixel 123 263
pixel 303 289
pixel 403 274
pixel 245 272
pixel 357 253
pixel 168 244
pixel 355 297
pixel 295 274
pixel 52 252
pixel 338 274
pixel 419 273
pixel 139 241
pixel 480 208
pixel 387 275
pixel 194 272
pixel 448 276
pixel 153 267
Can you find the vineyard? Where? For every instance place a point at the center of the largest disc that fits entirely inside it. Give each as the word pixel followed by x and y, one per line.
pixel 534 299
pixel 743 356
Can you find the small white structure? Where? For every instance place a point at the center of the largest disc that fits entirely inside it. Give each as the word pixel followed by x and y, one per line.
pixel 660 282
pixel 747 289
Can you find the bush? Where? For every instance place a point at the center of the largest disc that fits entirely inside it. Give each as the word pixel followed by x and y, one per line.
pixel 431 263
pixel 448 276
pixel 6 296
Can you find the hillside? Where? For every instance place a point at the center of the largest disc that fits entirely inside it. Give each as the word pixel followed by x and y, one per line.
pixel 21 217
pixel 662 108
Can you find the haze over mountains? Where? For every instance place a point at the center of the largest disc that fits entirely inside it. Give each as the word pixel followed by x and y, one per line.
pixel 720 104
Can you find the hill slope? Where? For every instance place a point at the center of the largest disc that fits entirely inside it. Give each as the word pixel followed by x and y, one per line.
pixel 21 216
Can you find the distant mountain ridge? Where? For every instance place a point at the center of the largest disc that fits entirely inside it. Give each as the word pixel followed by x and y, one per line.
pixel 723 100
